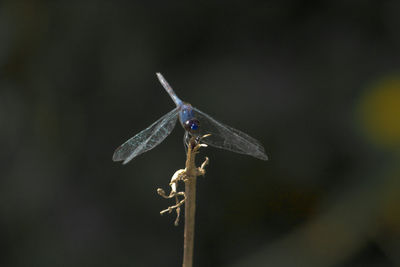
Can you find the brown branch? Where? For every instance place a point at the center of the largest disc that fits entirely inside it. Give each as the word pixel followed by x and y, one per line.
pixel 189 176
pixel 190 207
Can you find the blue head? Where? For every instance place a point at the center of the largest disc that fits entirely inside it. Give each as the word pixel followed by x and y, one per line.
pixel 192 126
pixel 188 119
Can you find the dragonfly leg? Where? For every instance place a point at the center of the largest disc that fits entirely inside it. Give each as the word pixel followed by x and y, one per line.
pixel 186 141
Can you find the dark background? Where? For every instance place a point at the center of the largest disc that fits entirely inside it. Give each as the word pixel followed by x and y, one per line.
pixel 317 82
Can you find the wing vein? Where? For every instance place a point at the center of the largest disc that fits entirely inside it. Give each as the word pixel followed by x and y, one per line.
pixel 148 138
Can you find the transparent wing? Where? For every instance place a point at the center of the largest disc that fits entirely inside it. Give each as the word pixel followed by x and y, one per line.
pixel 226 137
pixel 148 138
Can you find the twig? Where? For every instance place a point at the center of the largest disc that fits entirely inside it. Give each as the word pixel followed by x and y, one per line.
pixel 189 176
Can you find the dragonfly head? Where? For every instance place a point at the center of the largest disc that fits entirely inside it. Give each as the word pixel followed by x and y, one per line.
pixel 192 125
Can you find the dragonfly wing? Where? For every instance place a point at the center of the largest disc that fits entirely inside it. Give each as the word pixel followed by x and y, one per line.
pixel 148 138
pixel 226 137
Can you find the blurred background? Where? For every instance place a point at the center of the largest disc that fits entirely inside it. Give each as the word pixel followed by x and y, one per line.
pixel 317 83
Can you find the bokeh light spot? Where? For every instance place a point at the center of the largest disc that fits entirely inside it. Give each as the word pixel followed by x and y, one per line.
pixel 380 112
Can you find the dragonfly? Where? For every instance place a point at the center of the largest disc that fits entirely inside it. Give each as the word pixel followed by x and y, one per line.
pixel 196 124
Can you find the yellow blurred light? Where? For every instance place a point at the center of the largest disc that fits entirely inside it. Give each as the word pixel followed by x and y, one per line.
pixel 380 112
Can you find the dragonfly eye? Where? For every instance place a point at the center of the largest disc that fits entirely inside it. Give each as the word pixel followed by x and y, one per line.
pixel 192 125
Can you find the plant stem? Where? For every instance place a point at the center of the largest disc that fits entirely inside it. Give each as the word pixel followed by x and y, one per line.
pixel 190 203
pixel 189 176
pixel 190 210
